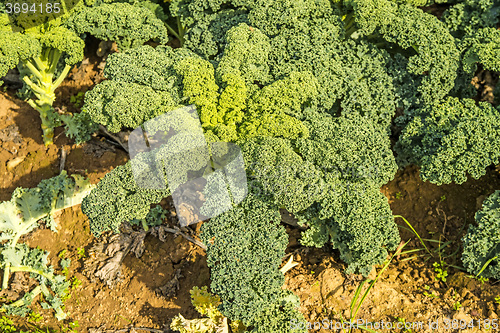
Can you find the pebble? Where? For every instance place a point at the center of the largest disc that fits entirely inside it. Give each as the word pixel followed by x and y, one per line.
pixel 11 164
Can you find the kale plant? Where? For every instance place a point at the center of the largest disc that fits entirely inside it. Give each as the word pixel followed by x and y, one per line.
pixel 21 215
pixel 451 140
pixel 482 241
pixel 309 91
pixel 44 55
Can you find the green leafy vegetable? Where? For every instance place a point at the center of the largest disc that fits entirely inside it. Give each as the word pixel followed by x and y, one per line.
pixel 127 24
pixel 21 215
pixel 482 241
pixel 44 55
pixel 451 140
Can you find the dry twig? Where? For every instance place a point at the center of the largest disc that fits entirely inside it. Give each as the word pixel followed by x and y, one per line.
pixel 105 131
pixel 177 231
pixel 63 160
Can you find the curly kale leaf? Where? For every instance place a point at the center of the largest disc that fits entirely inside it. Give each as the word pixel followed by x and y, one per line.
pixel 356 218
pixel 436 56
pixel 15 47
pixel 126 24
pixel 277 171
pixel 21 258
pixel 347 48
pixel 119 105
pixel 452 139
pixel 281 317
pixel 476 47
pixel 482 241
pixel 354 148
pixel 471 15
pixel 38 52
pixel 247 53
pixel 482 46
pixel 118 199
pixel 244 250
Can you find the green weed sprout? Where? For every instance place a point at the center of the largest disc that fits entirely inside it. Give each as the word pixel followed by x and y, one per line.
pixel 356 301
pixel 441 271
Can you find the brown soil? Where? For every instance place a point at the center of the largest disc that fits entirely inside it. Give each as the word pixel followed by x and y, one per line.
pixel 440 213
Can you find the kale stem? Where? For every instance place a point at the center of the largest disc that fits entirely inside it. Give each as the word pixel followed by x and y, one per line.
pixel 172 31
pixel 28 269
pixel 181 30
pixel 6 273
pixel 54 57
pixel 350 31
pixel 61 77
pixel 144 224
pixel 39 63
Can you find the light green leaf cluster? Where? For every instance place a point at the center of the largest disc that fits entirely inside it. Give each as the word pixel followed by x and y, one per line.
pixel 59 38
pixel 230 101
pixel 206 304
